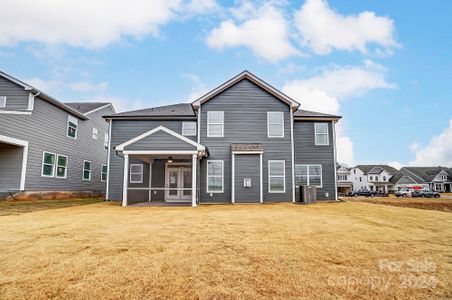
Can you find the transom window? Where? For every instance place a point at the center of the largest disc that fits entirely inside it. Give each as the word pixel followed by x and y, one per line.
pixel 189 128
pixel 136 173
pixel 72 124
pixel 321 134
pixel 275 124
pixel 95 133
pixel 2 101
pixel 215 124
pixel 103 176
pixel 215 176
pixel 276 176
pixel 308 175
pixel 86 170
pixel 54 165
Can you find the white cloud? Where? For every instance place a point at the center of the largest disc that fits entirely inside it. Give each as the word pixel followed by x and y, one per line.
pixel 437 152
pixel 90 24
pixel 323 29
pixel 198 89
pixel 58 85
pixel 325 92
pixel 86 86
pixel 395 164
pixel 265 31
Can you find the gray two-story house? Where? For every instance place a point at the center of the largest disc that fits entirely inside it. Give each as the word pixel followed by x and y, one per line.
pixel 50 146
pixel 242 142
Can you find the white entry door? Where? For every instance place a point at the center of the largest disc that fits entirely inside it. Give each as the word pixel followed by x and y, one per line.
pixel 178 182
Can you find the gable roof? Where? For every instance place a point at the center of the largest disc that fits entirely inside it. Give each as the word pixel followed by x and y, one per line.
pixel 426 173
pixel 367 168
pixel 43 96
pixel 302 114
pixel 254 79
pixel 88 107
pixel 174 110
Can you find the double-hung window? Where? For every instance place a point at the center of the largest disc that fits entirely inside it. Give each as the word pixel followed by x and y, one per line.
pixel 2 101
pixel 106 137
pixel 275 124
pixel 48 164
pixel 215 176
pixel 103 175
pixel 215 124
pixel 72 124
pixel 321 134
pixel 136 173
pixel 276 176
pixel 189 128
pixel 86 170
pixel 61 168
pixel 309 175
pixel 95 133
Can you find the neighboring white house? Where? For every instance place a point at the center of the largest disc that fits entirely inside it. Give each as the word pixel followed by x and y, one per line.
pixel 344 181
pixel 373 177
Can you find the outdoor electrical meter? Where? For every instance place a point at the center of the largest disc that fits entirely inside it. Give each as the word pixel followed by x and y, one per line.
pixel 247 182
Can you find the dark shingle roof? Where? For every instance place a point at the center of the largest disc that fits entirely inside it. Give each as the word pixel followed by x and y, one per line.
pixel 247 147
pixel 313 114
pixel 426 173
pixel 367 168
pixel 174 110
pixel 84 107
pixel 376 170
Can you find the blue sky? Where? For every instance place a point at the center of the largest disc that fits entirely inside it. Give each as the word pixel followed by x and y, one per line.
pixel 383 65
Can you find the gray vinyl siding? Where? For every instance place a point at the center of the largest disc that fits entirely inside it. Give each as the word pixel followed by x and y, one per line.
pixel 137 196
pixel 160 141
pixel 245 107
pixel 124 130
pixel 16 97
pixel 247 166
pixel 10 167
pixel 46 130
pixel 306 152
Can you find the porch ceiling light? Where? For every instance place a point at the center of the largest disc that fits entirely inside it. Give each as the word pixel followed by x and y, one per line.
pixel 170 159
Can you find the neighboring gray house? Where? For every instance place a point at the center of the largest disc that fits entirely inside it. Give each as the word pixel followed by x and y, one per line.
pixel 46 145
pixel 437 178
pixel 242 142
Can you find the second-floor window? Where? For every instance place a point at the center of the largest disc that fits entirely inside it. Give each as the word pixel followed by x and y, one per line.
pixel 321 134
pixel 275 124
pixel 215 124
pixel 2 101
pixel 106 139
pixel 72 124
pixel 341 177
pixel 189 128
pixel 371 178
pixel 95 133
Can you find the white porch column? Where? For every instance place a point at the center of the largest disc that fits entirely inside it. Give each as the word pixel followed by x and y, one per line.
pixel 233 179
pixel 126 180
pixel 193 180
pixel 261 195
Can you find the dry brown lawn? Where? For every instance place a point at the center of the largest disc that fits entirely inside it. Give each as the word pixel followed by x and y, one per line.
pixel 440 204
pixel 279 251
pixel 14 207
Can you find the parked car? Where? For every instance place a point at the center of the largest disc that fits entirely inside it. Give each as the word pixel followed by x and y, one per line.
pixel 426 194
pixel 362 193
pixel 403 193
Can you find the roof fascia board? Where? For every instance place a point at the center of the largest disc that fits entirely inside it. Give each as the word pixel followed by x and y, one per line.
pixel 99 108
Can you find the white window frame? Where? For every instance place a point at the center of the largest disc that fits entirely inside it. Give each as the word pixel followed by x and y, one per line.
pixel 184 124
pixel 95 133
pixel 136 173
pixel 53 166
pixel 277 176
pixel 72 120
pixel 57 165
pixel 282 124
pixel 90 170
pixel 321 133
pixel 308 179
pixel 2 101
pixel 106 140
pixel 210 123
pixel 222 177
pixel 102 173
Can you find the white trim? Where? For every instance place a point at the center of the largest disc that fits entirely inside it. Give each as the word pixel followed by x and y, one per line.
pixel 248 152
pixel 138 152
pixel 136 173
pixel 3 98
pixel 23 144
pixel 233 178
pixel 10 140
pixel 261 196
pixel 193 180
pixel 150 181
pixel 15 112
pixel 90 170
pixel 333 128
pixel 283 176
pixel 102 172
pixel 198 146
pixel 199 126
pixel 56 166
pixel 183 128
pixel 95 135
pixel 99 108
pixel 31 101
pixel 317 133
pixel 107 188
pixel 268 124
pixel 18 82
pixel 74 121
pixel 253 78
pixel 124 180
pixel 53 166
pixel 222 177
pixel 293 156
pixel 222 123
pixel 316 119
